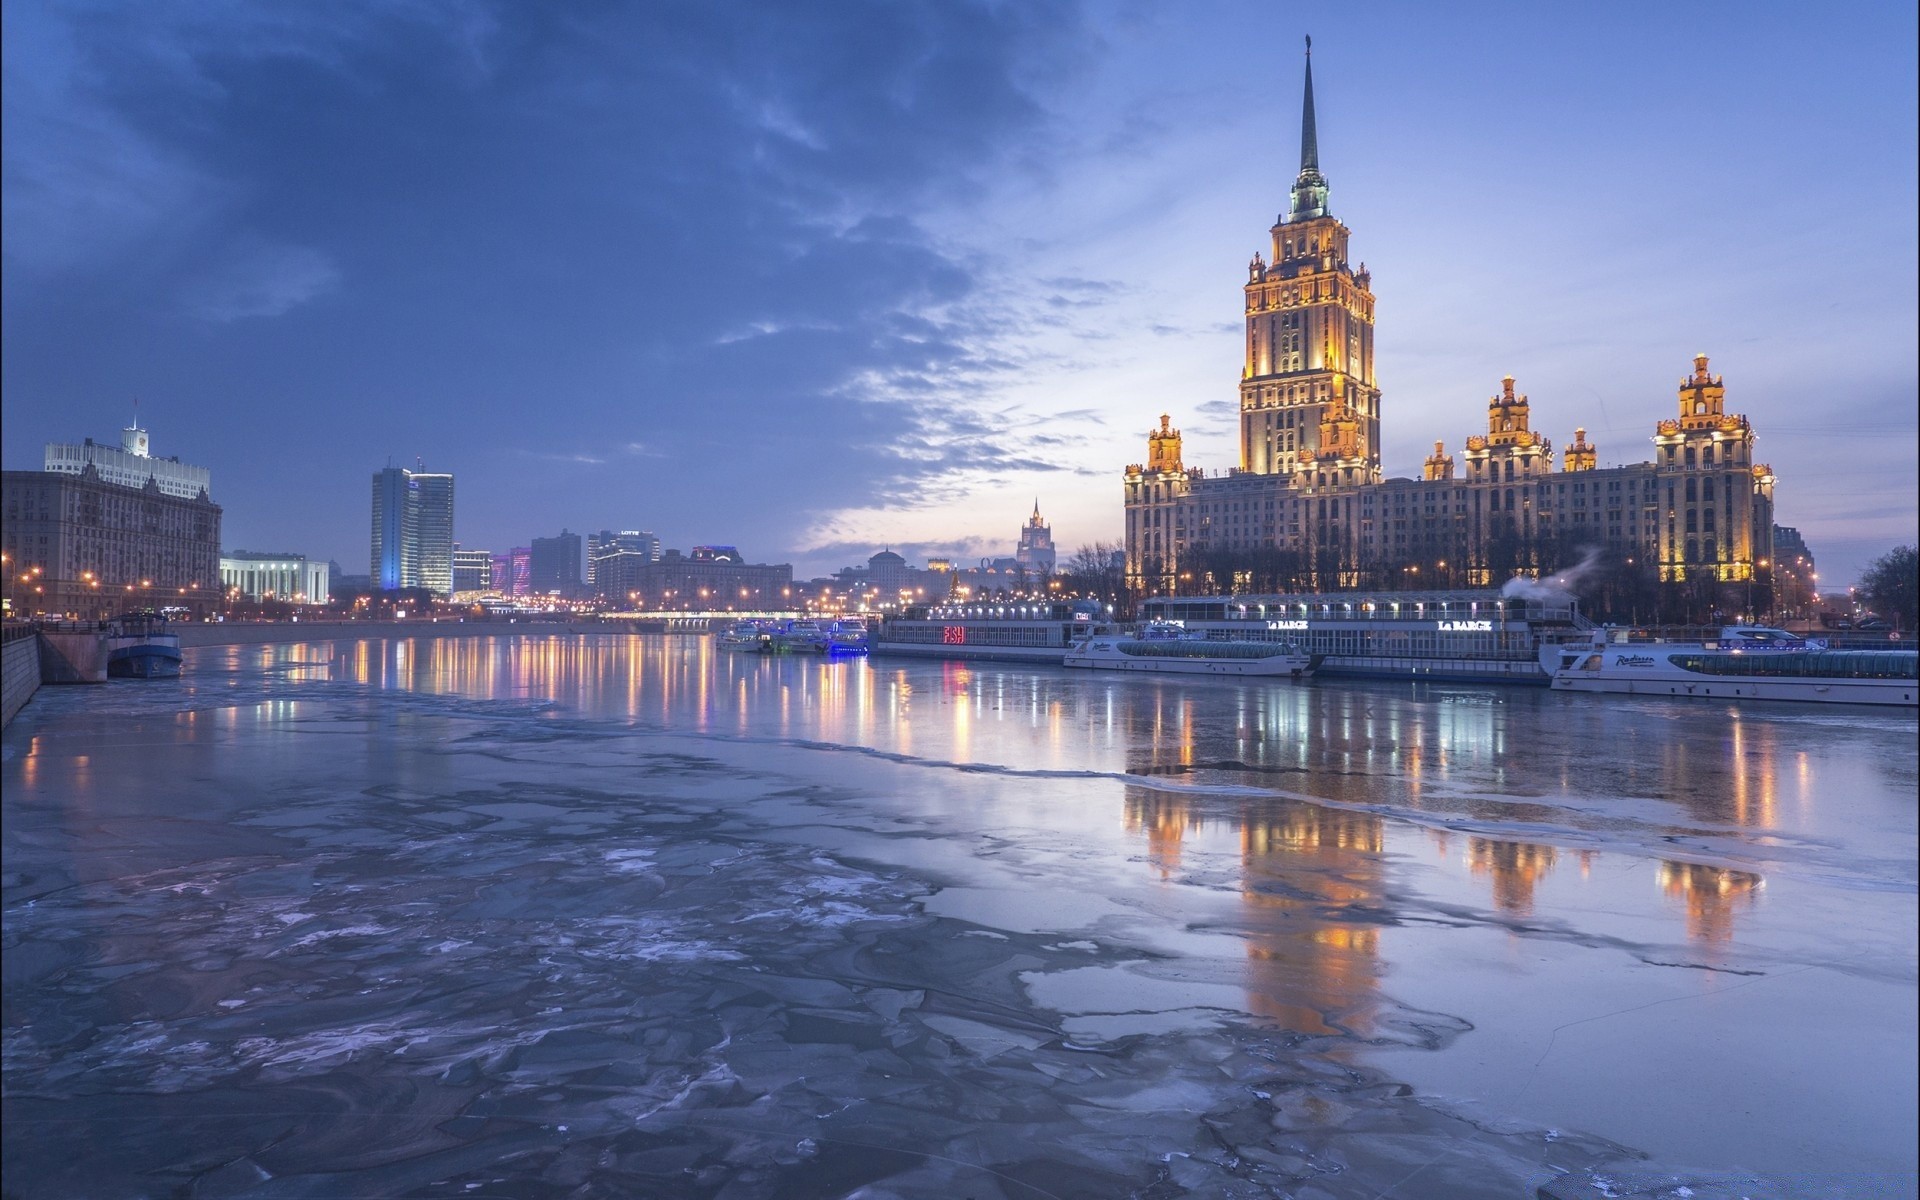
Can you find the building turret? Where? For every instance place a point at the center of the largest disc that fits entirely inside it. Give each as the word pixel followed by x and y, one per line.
pixel 1510 449
pixel 1580 456
pixel 1703 397
pixel 1439 463
pixel 1163 448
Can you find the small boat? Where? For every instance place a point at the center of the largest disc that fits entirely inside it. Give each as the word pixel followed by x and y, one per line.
pixel 752 637
pixel 1161 646
pixel 1737 667
pixel 139 647
pixel 805 637
pixel 848 637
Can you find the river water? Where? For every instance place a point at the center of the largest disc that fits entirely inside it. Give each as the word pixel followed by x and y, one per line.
pixel 596 916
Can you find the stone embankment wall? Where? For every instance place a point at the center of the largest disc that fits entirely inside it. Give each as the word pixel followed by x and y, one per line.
pixel 73 656
pixel 236 633
pixel 21 671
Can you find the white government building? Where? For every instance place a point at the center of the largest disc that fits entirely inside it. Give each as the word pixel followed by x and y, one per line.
pixel 291 577
pixel 132 465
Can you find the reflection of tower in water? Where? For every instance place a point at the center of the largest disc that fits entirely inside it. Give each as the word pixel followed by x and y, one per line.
pixel 1164 819
pixel 1712 896
pixel 1311 899
pixel 1516 868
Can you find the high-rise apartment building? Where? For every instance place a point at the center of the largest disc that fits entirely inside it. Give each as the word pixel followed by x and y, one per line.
pixel 627 541
pixel 555 565
pixel 412 530
pixel 79 545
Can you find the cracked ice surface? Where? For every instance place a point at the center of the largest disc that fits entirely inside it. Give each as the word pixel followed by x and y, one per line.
pixel 623 917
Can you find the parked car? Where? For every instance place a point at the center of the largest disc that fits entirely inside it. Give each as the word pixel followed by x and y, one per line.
pixel 1873 624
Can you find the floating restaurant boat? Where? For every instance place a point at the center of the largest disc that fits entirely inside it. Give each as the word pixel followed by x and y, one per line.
pixel 139 647
pixel 1468 636
pixel 1036 632
pixel 1737 667
pixel 1172 648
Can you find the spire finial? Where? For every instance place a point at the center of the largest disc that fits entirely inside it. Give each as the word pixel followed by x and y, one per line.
pixel 1310 188
pixel 1309 138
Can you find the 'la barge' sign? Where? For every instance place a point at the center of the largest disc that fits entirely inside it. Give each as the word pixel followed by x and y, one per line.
pixel 1464 626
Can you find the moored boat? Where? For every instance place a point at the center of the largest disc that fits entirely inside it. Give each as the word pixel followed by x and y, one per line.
pixel 1164 647
pixel 1738 668
pixel 848 636
pixel 141 648
pixel 803 637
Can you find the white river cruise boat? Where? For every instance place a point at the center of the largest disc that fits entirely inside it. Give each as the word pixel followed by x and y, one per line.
pixel 1469 636
pixel 1171 648
pixel 1738 668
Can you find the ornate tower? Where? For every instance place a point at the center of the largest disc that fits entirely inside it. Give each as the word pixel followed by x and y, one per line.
pixel 1163 448
pixel 1035 552
pixel 1510 446
pixel 1716 501
pixel 1309 346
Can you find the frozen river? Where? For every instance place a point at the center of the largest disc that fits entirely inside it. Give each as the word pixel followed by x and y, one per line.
pixel 602 916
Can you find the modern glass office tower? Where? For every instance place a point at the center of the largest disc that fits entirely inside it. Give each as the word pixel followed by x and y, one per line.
pixel 412 530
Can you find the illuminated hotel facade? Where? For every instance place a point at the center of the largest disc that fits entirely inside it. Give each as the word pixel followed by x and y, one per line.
pixel 1308 508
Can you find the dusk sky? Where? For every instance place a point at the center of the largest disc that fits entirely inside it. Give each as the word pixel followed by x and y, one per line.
pixel 814 279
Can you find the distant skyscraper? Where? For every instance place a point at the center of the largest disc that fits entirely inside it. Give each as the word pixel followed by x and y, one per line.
pixel 131 465
pixel 520 571
pixel 1035 552
pixel 555 565
pixel 627 541
pixel 412 530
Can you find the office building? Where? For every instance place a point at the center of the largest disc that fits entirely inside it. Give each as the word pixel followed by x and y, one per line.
pixel 291 577
pixel 472 571
pixel 710 578
pixel 412 530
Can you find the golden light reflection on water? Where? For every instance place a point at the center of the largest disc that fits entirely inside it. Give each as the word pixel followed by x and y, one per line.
pixel 1711 895
pixel 1478 752
pixel 1514 870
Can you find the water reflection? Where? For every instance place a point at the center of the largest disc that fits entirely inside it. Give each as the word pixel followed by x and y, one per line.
pixel 1514 869
pixel 1711 896
pixel 1632 776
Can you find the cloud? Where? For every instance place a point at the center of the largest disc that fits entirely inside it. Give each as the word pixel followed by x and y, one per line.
pixel 702 238
pixel 260 280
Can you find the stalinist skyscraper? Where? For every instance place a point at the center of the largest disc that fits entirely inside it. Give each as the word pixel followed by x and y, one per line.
pixel 1309 330
pixel 1309 509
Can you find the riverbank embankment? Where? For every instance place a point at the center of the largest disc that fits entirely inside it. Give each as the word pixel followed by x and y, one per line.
pixel 241 633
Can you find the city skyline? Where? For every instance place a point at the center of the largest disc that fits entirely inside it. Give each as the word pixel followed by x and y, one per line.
pixel 840 308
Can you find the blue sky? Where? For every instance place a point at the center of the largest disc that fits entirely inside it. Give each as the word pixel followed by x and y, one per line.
pixel 811 279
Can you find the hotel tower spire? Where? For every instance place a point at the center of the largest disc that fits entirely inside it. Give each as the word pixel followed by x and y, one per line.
pixel 1309 406
pixel 1310 187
